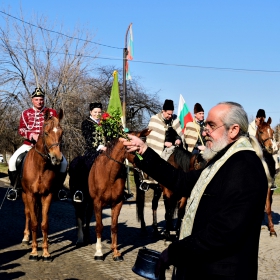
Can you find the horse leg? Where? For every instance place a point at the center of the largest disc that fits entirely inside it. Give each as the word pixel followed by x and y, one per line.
pixel 89 211
pixel 140 201
pixel 32 205
pixel 156 197
pixel 46 202
pixel 98 256
pixel 26 233
pixel 114 231
pixel 181 213
pixel 268 204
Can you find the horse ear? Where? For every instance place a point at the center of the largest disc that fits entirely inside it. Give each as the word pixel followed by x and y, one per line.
pixel 269 121
pixel 47 115
pixel 60 114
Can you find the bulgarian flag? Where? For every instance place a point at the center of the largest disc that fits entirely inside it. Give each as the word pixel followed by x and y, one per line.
pixel 184 113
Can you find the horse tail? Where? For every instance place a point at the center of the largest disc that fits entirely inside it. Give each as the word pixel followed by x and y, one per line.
pixel 257 147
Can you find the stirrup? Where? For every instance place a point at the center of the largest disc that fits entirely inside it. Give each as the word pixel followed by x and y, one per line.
pixel 62 195
pixel 273 187
pixel 144 186
pixel 12 195
pixel 78 196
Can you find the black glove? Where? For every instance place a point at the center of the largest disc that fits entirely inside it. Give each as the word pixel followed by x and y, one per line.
pixel 162 264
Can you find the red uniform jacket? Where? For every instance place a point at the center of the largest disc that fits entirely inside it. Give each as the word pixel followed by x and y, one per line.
pixel 31 121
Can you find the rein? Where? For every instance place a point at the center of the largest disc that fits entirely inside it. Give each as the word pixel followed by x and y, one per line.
pixel 109 157
pixel 263 141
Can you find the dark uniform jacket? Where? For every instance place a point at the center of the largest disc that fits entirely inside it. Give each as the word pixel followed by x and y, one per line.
pixel 225 237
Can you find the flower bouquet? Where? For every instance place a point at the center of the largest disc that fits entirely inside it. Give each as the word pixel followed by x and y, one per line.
pixel 111 126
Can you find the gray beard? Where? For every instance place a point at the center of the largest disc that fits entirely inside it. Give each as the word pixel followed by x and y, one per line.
pixel 217 146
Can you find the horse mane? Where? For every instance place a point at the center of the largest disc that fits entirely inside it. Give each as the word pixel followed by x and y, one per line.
pixel 182 158
pixel 111 144
pixel 257 147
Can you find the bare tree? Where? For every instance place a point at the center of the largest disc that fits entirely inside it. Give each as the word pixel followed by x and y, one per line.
pixel 64 68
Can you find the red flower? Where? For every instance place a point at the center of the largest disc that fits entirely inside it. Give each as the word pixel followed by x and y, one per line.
pixel 105 116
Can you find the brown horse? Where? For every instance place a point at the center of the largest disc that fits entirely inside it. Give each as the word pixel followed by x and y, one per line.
pixel 182 159
pixel 264 135
pixel 39 176
pixel 106 183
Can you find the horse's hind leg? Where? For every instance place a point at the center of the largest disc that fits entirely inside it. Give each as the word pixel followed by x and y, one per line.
pixel 114 232
pixel 269 214
pixel 26 233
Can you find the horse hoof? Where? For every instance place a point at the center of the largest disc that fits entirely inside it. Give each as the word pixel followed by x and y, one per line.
pixel 33 258
pixel 273 234
pixel 47 259
pixel 25 242
pixel 118 259
pixel 99 258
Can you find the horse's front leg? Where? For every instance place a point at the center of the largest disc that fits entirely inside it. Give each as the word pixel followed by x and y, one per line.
pixel 157 193
pixel 98 256
pixel 33 208
pixel 26 233
pixel 46 202
pixel 268 204
pixel 181 213
pixel 114 232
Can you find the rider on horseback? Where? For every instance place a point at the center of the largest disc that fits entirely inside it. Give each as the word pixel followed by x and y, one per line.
pixel 95 143
pixel 165 134
pixel 30 126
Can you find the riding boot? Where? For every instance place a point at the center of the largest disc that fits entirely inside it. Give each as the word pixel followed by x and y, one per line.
pixel 127 196
pixel 13 192
pixel 62 194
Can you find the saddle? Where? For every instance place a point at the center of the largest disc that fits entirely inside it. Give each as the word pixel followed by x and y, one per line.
pixel 20 162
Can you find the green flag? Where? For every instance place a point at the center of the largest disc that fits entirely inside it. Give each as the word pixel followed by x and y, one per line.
pixel 115 101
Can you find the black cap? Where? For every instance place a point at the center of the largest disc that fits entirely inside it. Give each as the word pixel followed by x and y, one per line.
pixel 168 105
pixel 95 105
pixel 38 92
pixel 260 113
pixel 197 108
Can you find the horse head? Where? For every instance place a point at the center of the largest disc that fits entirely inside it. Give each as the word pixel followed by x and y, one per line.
pixel 264 135
pixel 51 136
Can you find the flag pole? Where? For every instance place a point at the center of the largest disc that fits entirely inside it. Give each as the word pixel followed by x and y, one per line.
pixel 124 98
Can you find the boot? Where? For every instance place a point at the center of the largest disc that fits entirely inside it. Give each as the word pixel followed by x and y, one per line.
pixel 13 192
pixel 127 196
pixel 62 194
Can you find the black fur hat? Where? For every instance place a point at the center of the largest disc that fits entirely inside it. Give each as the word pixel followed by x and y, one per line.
pixel 197 108
pixel 260 113
pixel 95 105
pixel 38 93
pixel 168 105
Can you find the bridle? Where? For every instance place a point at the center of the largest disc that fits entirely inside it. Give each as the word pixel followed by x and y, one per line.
pixel 263 141
pixel 47 148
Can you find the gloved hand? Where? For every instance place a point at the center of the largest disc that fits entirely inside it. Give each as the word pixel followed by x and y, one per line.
pixel 162 264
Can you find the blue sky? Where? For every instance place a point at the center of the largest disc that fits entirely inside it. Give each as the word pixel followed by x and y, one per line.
pixel 172 38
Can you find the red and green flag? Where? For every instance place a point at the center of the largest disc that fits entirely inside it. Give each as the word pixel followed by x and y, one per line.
pixel 184 113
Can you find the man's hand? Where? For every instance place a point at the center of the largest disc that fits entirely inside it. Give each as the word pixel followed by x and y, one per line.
pixel 168 144
pixel 178 142
pixel 35 136
pixel 134 144
pixel 162 264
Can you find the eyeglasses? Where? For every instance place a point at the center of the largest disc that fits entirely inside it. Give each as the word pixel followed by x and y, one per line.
pixel 211 130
